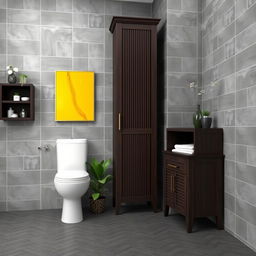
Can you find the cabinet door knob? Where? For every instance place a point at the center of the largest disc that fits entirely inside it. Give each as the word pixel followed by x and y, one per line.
pixel 173 166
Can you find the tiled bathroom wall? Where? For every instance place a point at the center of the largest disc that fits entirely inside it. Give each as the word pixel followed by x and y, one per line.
pixel 229 78
pixel 183 61
pixel 39 37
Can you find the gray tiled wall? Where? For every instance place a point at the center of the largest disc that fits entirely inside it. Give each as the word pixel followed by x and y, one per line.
pixel 229 78
pixel 41 36
pixel 182 61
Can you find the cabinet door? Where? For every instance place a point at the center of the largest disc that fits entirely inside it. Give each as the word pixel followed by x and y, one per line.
pixel 180 191
pixel 136 114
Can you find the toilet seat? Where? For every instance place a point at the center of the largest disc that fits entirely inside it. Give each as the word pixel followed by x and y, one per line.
pixel 71 176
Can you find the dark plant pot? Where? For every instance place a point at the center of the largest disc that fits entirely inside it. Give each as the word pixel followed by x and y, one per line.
pixel 97 206
pixel 206 122
pixel 12 79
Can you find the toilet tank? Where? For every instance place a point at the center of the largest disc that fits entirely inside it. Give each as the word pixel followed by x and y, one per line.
pixel 71 154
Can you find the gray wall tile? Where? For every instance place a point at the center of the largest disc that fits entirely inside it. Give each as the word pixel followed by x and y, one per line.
pixel 246 192
pixel 56 63
pixel 246 58
pixel 24 47
pixel 23 178
pixel 23 32
pixel 88 35
pixel 174 4
pixel 182 18
pixel 31 163
pixel 251 234
pixel 241 228
pixel 23 16
pixel 181 49
pixel 50 198
pixel 80 20
pixel 91 133
pixel 14 163
pixel 22 148
pixel 53 133
pixel 48 5
pixel 2 163
pixel 23 205
pixel 56 19
pixel 246 211
pixel 64 5
pixel 89 6
pixel 24 133
pixel 136 9
pixel 19 193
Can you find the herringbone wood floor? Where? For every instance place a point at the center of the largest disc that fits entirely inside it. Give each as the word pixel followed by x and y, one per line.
pixel 140 233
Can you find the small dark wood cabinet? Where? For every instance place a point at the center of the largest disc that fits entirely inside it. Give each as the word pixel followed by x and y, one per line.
pixel 6 101
pixel 134 110
pixel 193 184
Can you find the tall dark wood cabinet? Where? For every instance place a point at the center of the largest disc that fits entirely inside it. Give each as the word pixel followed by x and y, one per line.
pixel 134 110
pixel 193 184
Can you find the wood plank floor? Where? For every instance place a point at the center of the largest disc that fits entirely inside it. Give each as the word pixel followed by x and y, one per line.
pixel 140 232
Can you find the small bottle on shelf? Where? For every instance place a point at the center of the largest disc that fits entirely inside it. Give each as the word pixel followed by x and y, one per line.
pixel 23 113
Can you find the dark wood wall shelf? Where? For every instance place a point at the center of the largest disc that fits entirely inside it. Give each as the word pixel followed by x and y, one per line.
pixel 6 101
pixel 194 184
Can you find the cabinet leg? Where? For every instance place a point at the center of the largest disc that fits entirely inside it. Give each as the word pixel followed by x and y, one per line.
pixel 189 223
pixel 154 205
pixel 166 211
pixel 117 208
pixel 219 222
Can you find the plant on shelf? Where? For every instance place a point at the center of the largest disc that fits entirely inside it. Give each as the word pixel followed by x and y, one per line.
pixel 99 178
pixel 206 119
pixel 23 79
pixel 206 113
pixel 11 71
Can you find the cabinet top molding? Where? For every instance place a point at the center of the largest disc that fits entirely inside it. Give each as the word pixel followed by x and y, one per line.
pixel 132 20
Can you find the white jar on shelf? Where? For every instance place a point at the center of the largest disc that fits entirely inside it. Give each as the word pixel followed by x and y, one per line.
pixel 16 97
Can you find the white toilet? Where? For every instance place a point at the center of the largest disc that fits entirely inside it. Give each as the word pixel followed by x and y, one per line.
pixel 71 181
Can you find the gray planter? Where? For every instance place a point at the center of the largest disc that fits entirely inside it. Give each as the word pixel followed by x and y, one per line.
pixel 206 122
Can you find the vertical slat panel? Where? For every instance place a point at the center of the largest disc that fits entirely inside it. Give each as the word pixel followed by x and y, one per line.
pixel 136 79
pixel 136 101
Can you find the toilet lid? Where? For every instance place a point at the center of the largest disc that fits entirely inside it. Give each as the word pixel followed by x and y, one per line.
pixel 72 175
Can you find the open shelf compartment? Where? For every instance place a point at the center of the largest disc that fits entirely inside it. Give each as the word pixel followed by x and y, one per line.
pixel 206 141
pixel 6 101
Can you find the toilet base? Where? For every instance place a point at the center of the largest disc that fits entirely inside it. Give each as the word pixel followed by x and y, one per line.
pixel 72 211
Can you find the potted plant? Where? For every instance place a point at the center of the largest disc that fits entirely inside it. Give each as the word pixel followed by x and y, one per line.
pixel 206 119
pixel 99 179
pixel 23 78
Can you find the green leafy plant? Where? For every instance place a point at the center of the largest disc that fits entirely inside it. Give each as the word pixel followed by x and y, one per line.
pixel 23 78
pixel 99 177
pixel 205 113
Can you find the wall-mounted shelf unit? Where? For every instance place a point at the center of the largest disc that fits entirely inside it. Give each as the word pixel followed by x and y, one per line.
pixel 6 101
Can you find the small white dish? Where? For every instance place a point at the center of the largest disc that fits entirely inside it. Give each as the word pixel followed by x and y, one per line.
pixel 24 98
pixel 14 115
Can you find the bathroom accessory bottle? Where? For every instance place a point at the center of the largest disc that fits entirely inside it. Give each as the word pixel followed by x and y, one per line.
pixel 9 112
pixel 23 113
pixel 197 118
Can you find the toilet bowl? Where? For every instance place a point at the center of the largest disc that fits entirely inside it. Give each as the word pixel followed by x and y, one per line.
pixel 71 181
